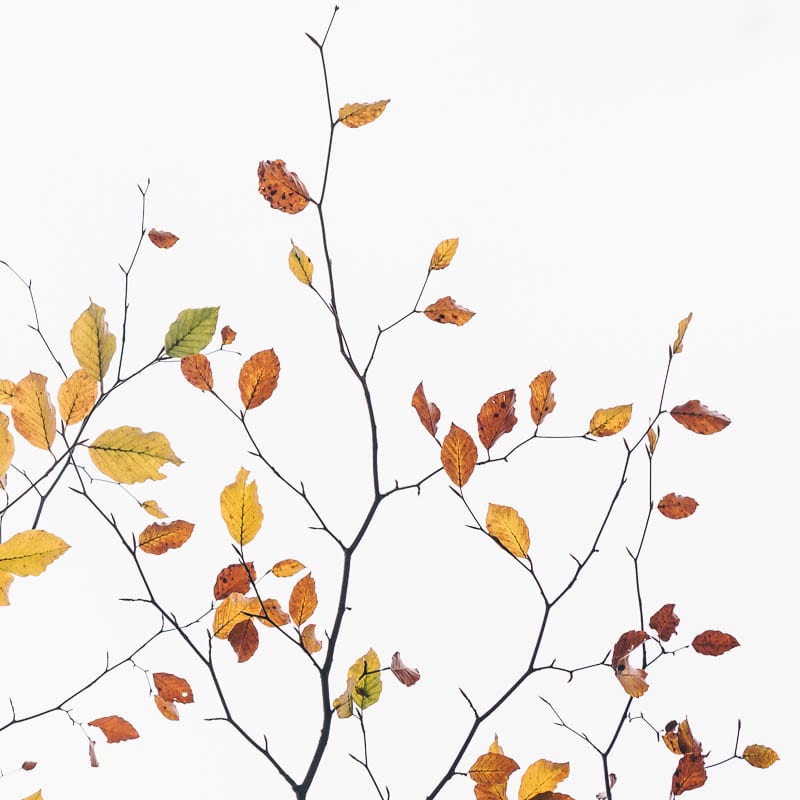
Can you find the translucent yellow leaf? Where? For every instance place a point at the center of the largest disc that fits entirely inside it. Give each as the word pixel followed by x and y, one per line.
pixel 354 115
pixel 309 639
pixel 508 527
pixel 495 747
pixel 343 704
pixel 153 509
pixel 6 579
pixel 191 331
pixel 92 343
pixel 271 615
pixel 303 600
pixel 76 397
pixel 157 538
pixel 32 411
pixel 287 567
pixel 542 776
pixel 6 391
pixel 366 677
pixel 129 455
pixel 233 609
pixel 677 347
pixel 35 796
pixel 459 455
pixel 757 755
pixel 30 552
pixel 6 444
pixel 443 254
pixel 300 265
pixel 240 508
pixel 608 421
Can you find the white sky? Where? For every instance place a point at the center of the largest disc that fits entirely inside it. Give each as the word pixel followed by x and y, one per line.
pixel 608 168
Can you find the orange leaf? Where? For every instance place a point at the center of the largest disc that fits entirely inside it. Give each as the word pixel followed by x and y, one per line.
pixel 272 615
pixel 492 768
pixel 443 254
pixel 459 455
pixel 235 608
pixel 116 729
pixel 32 411
pixel 608 421
pixel 234 578
pixel 197 370
pixel 690 774
pixel 173 688
pixel 160 537
pixel 757 755
pixel 652 440
pixel 228 334
pixel 283 189
pixel 680 739
pixel 699 419
pixel 162 239
pixel 287 568
pixel 665 621
pixel 677 347
pixel 258 378
pixel 76 397
pixel 309 639
pixel 244 639
pixel 354 115
pixel 494 791
pixel 496 417
pixel 428 413
pixel 676 506
pixel 713 643
pixel 542 400
pixel 167 708
pixel 445 309
pixel 408 676
pixel 303 600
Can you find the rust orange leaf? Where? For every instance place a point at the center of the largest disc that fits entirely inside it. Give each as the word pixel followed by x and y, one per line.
pixel 197 370
pixel 608 421
pixel 243 639
pixel 676 506
pixel 287 568
pixel 677 346
pixel 632 679
pixel 494 791
pixel 162 239
pixel 271 615
pixel 408 676
pixel 690 774
pixel 459 455
pixel 698 418
pixel 429 414
pixel 490 769
pixel 173 688
pixel 228 335
pixel 542 400
pixel 281 189
pixel 665 622
pixel 308 637
pixel 167 708
pixel 303 600
pixel 29 765
pixel 496 417
pixel 76 397
pixel 443 254
pixel 116 729
pixel 757 755
pixel 234 578
pixel 354 115
pixel 159 537
pixel 258 378
pixel 446 310
pixel 713 643
pixel 32 411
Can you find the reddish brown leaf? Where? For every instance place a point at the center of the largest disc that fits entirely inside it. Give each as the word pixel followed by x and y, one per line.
pixel 244 639
pixel 428 413
pixel 157 538
pixel 28 765
pixel 699 419
pixel 665 621
pixel 258 378
pixel 228 334
pixel 163 239
pixel 496 417
pixel 690 774
pixel 173 688
pixel 446 310
pixel 281 188
pixel 459 455
pixel 197 370
pixel 675 506
pixel 234 578
pixel 167 708
pixel 713 643
pixel 303 600
pixel 542 400
pixel 631 678
pixel 116 729
pixel 626 644
pixel 406 675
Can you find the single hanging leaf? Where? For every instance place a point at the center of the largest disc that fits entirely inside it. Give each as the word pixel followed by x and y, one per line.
pixel 243 638
pixel 757 755
pixel 234 609
pixel 707 643
pixel 428 413
pixel 30 552
pixel 459 455
pixel 300 265
pixel 192 330
pixel 542 400
pixel 28 765
pixel 608 421
pixel 303 600
pixel 507 527
pixel 173 688
pixel 129 455
pixel 6 444
pixel 6 579
pixel 690 774
pixel 167 708
pixel 234 578
pixel 665 622
pixel 153 509
pixel 366 676
pixel 632 679
pixel 491 769
pixel 676 506
pixel 287 568
pixel 228 335
pixel 93 345
pixel 197 370
pixel 116 729
pixel 677 346
pixel 652 440
pixel 33 413
pixel 699 419
pixel 496 417
pixel 258 378
pixel 6 391
pixel 281 188
pixel 542 776
pixel 309 640
pixel 443 254
pixel 354 115
pixel 76 397
pixel 240 509
pixel 446 310
pixel 626 644
pixel 162 239
pixel 408 676
pixel 157 538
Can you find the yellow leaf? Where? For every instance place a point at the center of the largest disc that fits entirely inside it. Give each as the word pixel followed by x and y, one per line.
pixel 446 310
pixel 157 538
pixel 303 600
pixel 309 639
pixel 443 254
pixel 508 527
pixel 240 508
pixel 287 567
pixel 542 400
pixel 492 768
pixel 495 747
pixel 129 455
pixel 608 421
pixel 35 796
pixel 300 265
pixel 30 552
pixel 459 455
pixel 366 677
pixel 76 397
pixel 354 115
pixel 6 391
pixel 93 345
pixel 6 579
pixel 542 776
pixel 33 413
pixel 677 347
pixel 258 378
pixel 233 609
pixel 153 509
pixel 6 444
pixel 757 755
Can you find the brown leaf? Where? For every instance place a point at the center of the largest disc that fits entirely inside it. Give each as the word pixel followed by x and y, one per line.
pixel 173 688
pixel 162 239
pixel 631 678
pixel 29 765
pixel 757 755
pixel 429 414
pixel 445 309
pixel 677 347
pixel 626 644
pixel 699 419
pixel 542 400
pixel 303 600
pixel 159 537
pixel 459 455
pixel 494 791
pixel 234 578
pixel 652 440
pixel 281 188
pixel 197 370
pixel 713 643
pixel 116 729
pixel 690 774
pixel 675 506
pixel 258 378
pixel 244 639
pixel 272 615
pixel 408 676
pixel 680 740
pixel 496 417
pixel 492 768
pixel 228 335
pixel 664 622
pixel 287 568
pixel 309 639
pixel 167 708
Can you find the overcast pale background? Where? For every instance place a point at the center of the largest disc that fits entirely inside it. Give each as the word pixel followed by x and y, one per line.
pixel 608 167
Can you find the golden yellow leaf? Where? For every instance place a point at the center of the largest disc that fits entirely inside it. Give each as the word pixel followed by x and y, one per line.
pixel 167 708
pixel 366 677
pixel 6 391
pixel 153 509
pixel 6 444
pixel 162 239
pixel 281 188
pixel 157 538
pixel 300 265
pixel 495 747
pixel 76 397
pixel 542 400
pixel 196 368
pixel 459 455
pixel 354 115
pixel 680 740
pixel 677 347
pixel 234 609
pixel 32 411
pixel 240 509
pixel 129 455
pixel 30 552
pixel 446 310
pixel 309 639
pixel 608 421
pixel 632 679
pixel 93 345
pixel 287 567
pixel 757 755
pixel 542 776
pixel 37 795
pixel 115 728
pixel 492 768
pixel 443 254
pixel 6 578
pixel 258 378
pixel 303 600
pixel 508 527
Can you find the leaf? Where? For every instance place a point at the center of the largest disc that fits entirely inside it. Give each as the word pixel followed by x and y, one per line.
pixel 608 421
pixel 491 769
pixel 542 776
pixel 116 729
pixel 343 704
pixel 446 310
pixel 272 615
pixel 354 115
pixel 6 444
pixel 494 791
pixel 626 644
pixel 240 509
pixel 677 346
pixel 28 765
pixel 676 506
pixel 32 411
pixel 303 600
pixel 300 265
pixel 76 397
pixel 366 676
pixel 680 740
pixel 192 330
pixel 37 795
pixel 243 638
pixel 281 188
pixel 632 679
pixel 428 413
pixel 287 568
pixel 652 440
pixel 443 254
pixel 197 370
pixel 92 755
pixel 690 774
pixel 757 755
pixel 707 643
pixel 92 344
pixel 228 335
pixel 234 609
pixel 699 419
pixel 159 537
pixel 153 509
pixel 6 391
pixel 6 579
pixel 509 529
pixel 167 708
pixel 173 688
pixel 162 239
pixel 258 378
pixel 129 455
pixel 459 455
pixel 496 417
pixel 664 622
pixel 234 578
pixel 495 747
pixel 308 637
pixel 30 552
pixel 542 400
pixel 408 676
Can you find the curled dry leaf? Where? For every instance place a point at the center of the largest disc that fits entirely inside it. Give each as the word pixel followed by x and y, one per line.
pixel 680 740
pixel 303 600
pixel 665 622
pixel 652 440
pixel 234 578
pixel 612 779
pixel 343 704
pixel 443 254
pixel 713 643
pixel 197 370
pixel 282 189
pixel 677 346
pixel 627 643
pixel 491 769
pixel 408 676
pixel 495 746
pixel 428 413
pixel 690 773
pixel 76 397
pixel 496 417
pixel 608 421
pixel 631 678
pixel 116 729
pixel 459 455
pixel 32 411
pixel 173 688
pixel 258 378
pixel 542 400
pixel 287 568
pixel 675 506
pixel 153 509
pixel 228 335
pixel 159 537
pixel 757 755
pixel 243 639
pixel 162 239
pixel 446 310
pixel 698 418
pixel 308 637
pixel 167 708
pixel 354 115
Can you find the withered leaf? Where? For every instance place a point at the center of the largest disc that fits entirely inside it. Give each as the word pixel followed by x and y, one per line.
pixel 677 346
pixel 354 115
pixel 664 622
pixel 608 421
pixel 303 600
pixel 167 708
pixel 446 310
pixel 429 414
pixel 757 755
pixel 542 400
pixel 159 537
pixel 173 688
pixel 197 370
pixel 287 567
pixel 492 768
pixel 244 639
pixel 699 419
pixel 408 676
pixel 234 578
pixel 308 637
pixel 690 773
pixel 162 239
pixel 459 455
pixel 675 506
pixel 116 729
pixel 496 417
pixel 281 188
pixel 228 335
pixel 713 643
